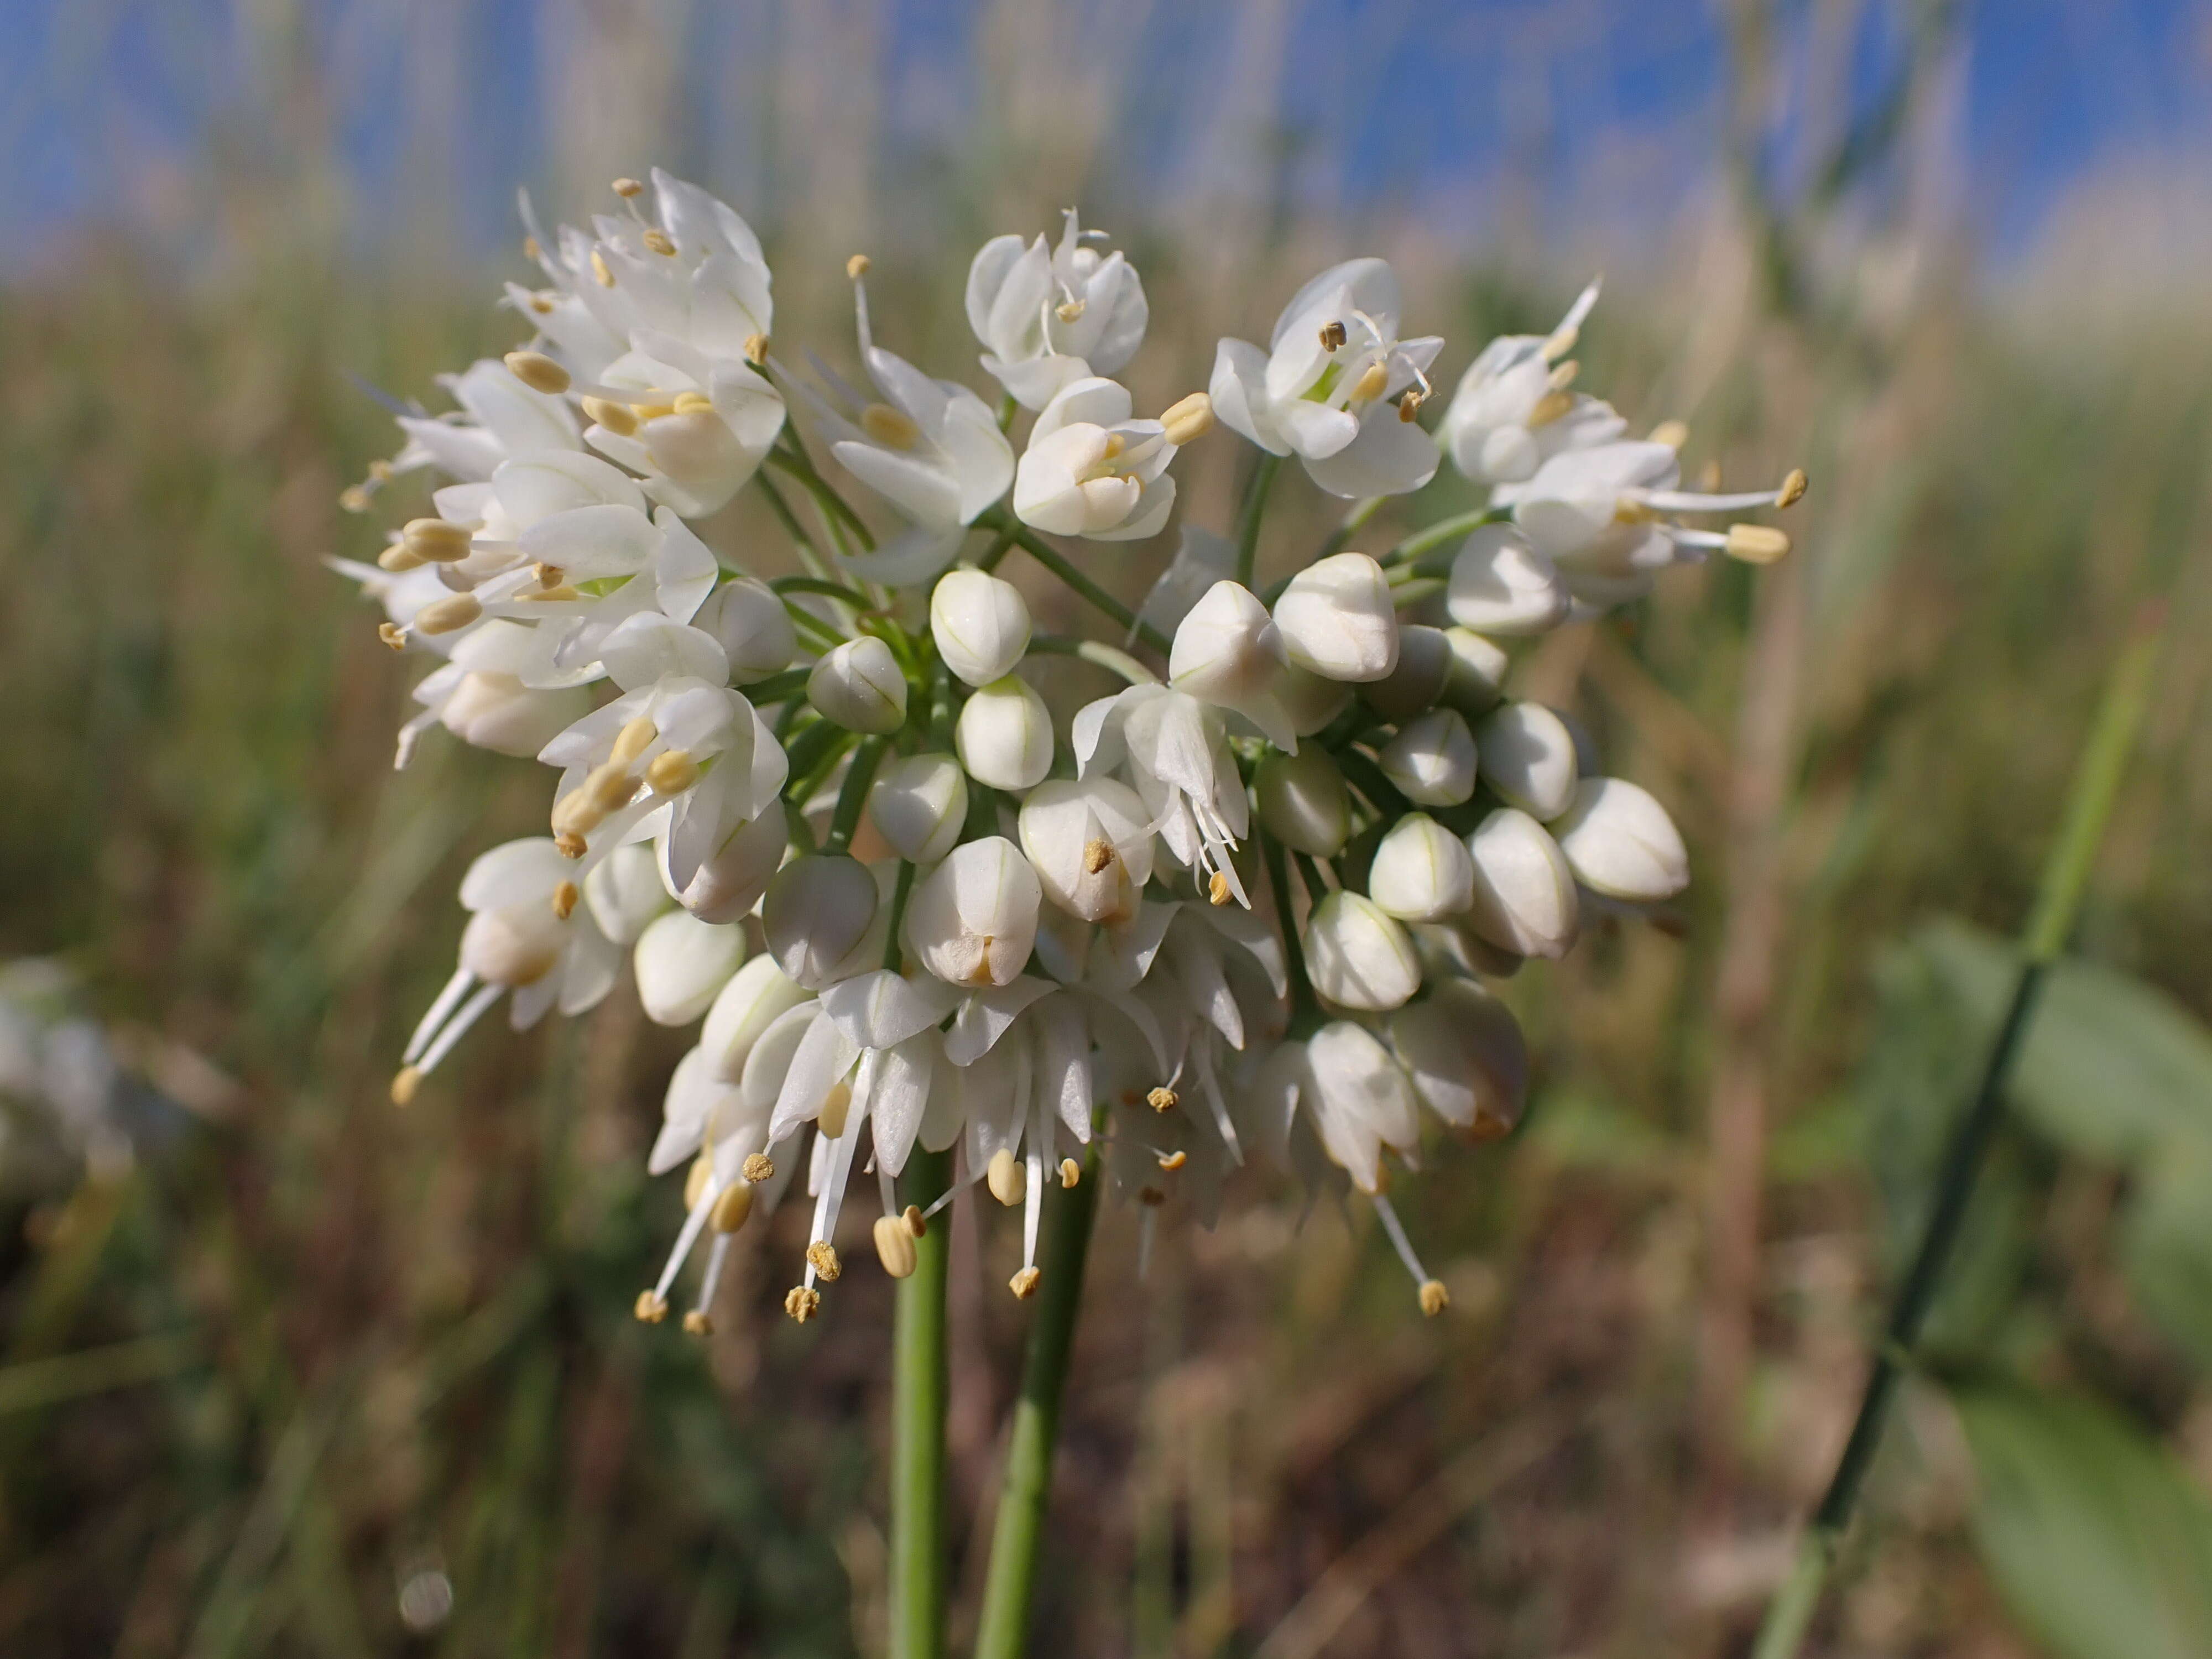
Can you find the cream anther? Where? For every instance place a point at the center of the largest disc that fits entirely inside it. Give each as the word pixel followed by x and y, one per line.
pixel 857 266
pixel 802 1303
pixel 757 1168
pixel 1023 1284
pixel 651 1307
pixel 448 614
pixel 564 900
pixel 616 417
pixel 822 1257
pixel 672 773
pixel 732 1207
pixel 408 1079
pixel 1162 1099
pixel 538 372
pixel 1004 1176
pixel 891 427
pixel 1756 544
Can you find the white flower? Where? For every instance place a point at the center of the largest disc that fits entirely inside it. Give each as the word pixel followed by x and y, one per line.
pixel 500 418
pixel 758 995
pixel 727 882
pixel 1620 842
pixel 528 934
pixel 489 708
pixel 929 447
pixel 747 619
pixel 1512 411
pixel 1092 470
pixel 859 686
pixel 1465 1053
pixel 1529 758
pixel 1178 759
pixel 1003 735
pixel 681 963
pixel 1432 760
pixel 1501 584
pixel 1302 802
pixel 1421 871
pixel 1417 679
pixel 1229 651
pixel 624 892
pixel 1351 1090
pixel 826 918
pixel 980 624
pixel 1338 619
pixel 1357 956
pixel 973 919
pixel 1090 843
pixel 919 804
pixel 1336 386
pixel 1048 317
pixel 1524 893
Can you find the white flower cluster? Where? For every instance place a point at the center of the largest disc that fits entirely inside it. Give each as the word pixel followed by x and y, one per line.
pixel 1240 906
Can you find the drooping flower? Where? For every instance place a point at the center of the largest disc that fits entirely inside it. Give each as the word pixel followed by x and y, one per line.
pixel 1175 754
pixel 1512 410
pixel 1092 470
pixel 1047 318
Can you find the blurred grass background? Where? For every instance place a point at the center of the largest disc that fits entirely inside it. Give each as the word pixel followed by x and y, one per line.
pixel 302 1374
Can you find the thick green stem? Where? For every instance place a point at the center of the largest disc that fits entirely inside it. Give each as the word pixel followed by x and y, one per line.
pixel 1436 535
pixel 1249 514
pixel 918 1399
pixel 1051 558
pixel 853 794
pixel 2065 876
pixel 1011 1585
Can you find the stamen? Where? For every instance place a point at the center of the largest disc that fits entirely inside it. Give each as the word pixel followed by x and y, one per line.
pixel 1219 890
pixel 857 267
pixel 1188 419
pixel 892 428
pixel 695 1180
pixel 353 498
pixel 659 242
pixel 1069 311
pixel 559 593
pixel 651 1307
pixel 548 575
pixel 538 372
pixel 1097 854
pixel 1332 337
pixel 1434 1298
pixel 1162 1099
pixel 447 616
pixel 531 251
pixel 693 403
pixel 1564 375
pixel 1023 1284
pixel 695 1323
pixel 916 1223
pixel 1672 434
pixel 802 1303
pixel 1115 444
pixel 599 269
pixel 404 1083
pixel 626 188
pixel 434 541
pixel 650 410
pixel 756 349
pixel 672 774
pixel 448 1000
pixel 564 901
pixel 1794 484
pixel 1003 1175
pixel 895 1247
pixel 616 417
pixel 1370 385
pixel 1174 1160
pixel 635 737
pixel 711 1281
pixel 569 845
pixel 830 1120
pixel 1548 409
pixel 758 1168
pixel 1490 1125
pixel 731 1208
pixel 541 305
pixel 1071 1173
pixel 822 1257
pixel 392 635
pixel 455 1030
pixel 1756 544
pixel 612 789
pixel 396 558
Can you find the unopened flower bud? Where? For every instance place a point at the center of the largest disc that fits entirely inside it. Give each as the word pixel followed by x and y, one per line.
pixel 1524 893
pixel 1421 871
pixel 1433 759
pixel 980 624
pixel 497 712
pixel 1424 660
pixel 817 912
pixel 681 963
pixel 1228 651
pixel 1338 619
pixel 1357 957
pixel 748 618
pixel 1310 701
pixel 973 919
pixel 1529 758
pixel 1091 844
pixel 859 686
pixel 1303 801
pixel 624 892
pixel 1465 1052
pixel 1004 736
pixel 1620 841
pixel 757 995
pixel 727 886
pixel 918 804
pixel 1477 679
pixel 1501 584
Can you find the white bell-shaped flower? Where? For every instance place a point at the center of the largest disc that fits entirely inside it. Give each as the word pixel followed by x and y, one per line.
pixel 681 963
pixel 491 710
pixel 1417 680
pixel 1345 1085
pixel 1003 735
pixel 624 892
pixel 1432 760
pixel 1524 894
pixel 918 804
pixel 1338 619
pixel 973 919
pixel 1529 758
pixel 1421 871
pixel 1302 802
pixel 1091 845
pixel 757 995
pixel 1501 584
pixel 1620 841
pixel 980 624
pixel 1178 758
pixel 819 915
pixel 1476 684
pixel 748 618
pixel 727 883
pixel 1512 410
pixel 1092 470
pixel 859 686
pixel 1228 652
pixel 1047 316
pixel 1357 956
pixel 1466 1056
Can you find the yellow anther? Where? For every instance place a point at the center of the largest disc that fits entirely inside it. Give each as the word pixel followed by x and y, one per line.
pixel 1096 855
pixel 695 1180
pixel 1370 385
pixel 564 900
pixel 1435 1298
pixel 599 269
pixel 559 593
pixel 658 241
pixel 916 1223
pixel 609 789
pixel 530 251
pixel 822 1257
pixel 695 1323
pixel 353 499
pixel 1561 342
pixel 392 634
pixel 857 266
pixel 1489 1125
pixel 626 188
pixel 1794 484
pixel 1162 1099
pixel 1756 544
pixel 1071 1173
pixel 1563 376
pixel 575 815
pixel 396 558
pixel 448 614
pixel 1549 408
pixel 651 1307
pixel 652 412
pixel 830 1120
pixel 570 844
pixel 1174 1160
pixel 404 1083
pixel 1672 434
pixel 732 1207
pixel 1218 891
pixel 802 1303
pixel 758 1167
pixel 636 736
pixel 1004 1176
pixel 1188 419
pixel 1409 402
pixel 693 403
pixel 756 350
pixel 895 1247
pixel 1115 443
pixel 538 372
pixel 1023 1284
pixel 1332 337
pixel 1068 310
pixel 548 575
pixel 616 417
pixel 1627 512
pixel 893 429
pixel 541 305
pixel 673 773
pixel 434 541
